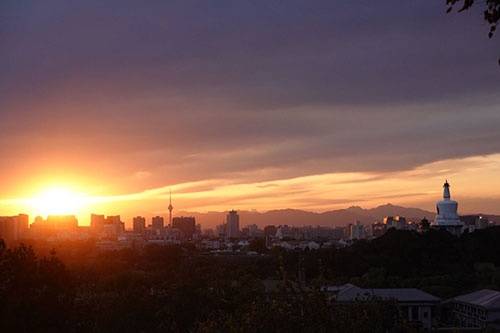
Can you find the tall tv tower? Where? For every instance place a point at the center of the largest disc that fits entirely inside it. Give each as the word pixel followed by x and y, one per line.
pixel 170 209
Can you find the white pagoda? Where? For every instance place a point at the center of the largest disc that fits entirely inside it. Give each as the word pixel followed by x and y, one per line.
pixel 447 217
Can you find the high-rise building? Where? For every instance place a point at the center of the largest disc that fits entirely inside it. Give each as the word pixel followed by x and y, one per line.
pixel 37 228
pixel 139 224
pixel 186 224
pixel 116 221
pixel 9 229
pixel 107 227
pixel 97 222
pixel 357 231
pixel 23 225
pixel 113 219
pixel 157 225
pixel 232 224
pixel 113 226
pixel 58 226
pixel 13 228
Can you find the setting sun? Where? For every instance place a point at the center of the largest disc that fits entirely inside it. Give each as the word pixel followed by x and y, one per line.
pixel 58 201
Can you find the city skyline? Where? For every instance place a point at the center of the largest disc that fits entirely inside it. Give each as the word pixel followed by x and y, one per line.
pixel 249 166
pixel 64 201
pixel 276 227
pixel 209 219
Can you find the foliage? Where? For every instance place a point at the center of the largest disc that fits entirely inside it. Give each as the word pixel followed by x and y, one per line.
pixel 34 292
pixel 177 289
pixel 491 10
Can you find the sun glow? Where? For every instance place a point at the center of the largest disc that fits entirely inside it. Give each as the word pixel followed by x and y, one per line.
pixel 58 201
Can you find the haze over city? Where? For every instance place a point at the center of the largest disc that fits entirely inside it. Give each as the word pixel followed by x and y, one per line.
pixel 107 107
pixel 246 166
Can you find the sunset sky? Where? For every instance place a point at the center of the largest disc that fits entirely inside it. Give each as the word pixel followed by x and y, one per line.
pixel 315 105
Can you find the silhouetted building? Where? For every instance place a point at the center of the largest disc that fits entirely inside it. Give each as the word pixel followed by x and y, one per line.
pixel 55 226
pixel 10 228
pixel 357 231
pixel 37 227
pixel 23 225
pixel 157 225
pixel 270 231
pixel 284 232
pixel 113 219
pixel 116 221
pixel 113 226
pixel 232 224
pixel 139 224
pixel 97 223
pixel 476 222
pixel 109 227
pixel 186 224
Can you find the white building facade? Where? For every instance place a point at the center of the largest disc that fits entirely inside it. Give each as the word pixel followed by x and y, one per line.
pixel 447 217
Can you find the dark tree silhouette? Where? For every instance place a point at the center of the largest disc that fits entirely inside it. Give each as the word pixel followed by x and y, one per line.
pixel 491 10
pixel 179 289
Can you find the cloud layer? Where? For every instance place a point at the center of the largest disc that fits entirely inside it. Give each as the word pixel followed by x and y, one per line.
pixel 138 96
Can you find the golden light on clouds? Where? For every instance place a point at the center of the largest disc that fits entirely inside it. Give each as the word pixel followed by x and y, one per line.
pixel 419 187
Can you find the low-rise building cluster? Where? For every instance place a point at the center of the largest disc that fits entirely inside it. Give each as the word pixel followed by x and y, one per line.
pixel 476 311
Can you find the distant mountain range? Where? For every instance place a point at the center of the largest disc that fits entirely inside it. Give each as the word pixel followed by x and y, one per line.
pixel 295 217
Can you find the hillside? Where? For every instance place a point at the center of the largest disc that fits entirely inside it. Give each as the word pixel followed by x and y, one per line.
pixel 297 217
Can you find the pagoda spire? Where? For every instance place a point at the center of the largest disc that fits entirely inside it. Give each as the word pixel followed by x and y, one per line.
pixel 446 190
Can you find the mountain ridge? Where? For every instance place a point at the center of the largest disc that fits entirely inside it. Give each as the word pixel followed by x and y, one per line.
pixel 298 217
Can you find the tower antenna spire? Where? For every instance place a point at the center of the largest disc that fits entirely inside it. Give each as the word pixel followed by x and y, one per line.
pixel 170 208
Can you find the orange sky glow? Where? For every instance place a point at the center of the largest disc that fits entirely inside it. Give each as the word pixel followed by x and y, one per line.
pixel 313 107
pixel 419 187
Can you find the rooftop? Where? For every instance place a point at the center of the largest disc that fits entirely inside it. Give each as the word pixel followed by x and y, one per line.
pixel 349 292
pixel 486 298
